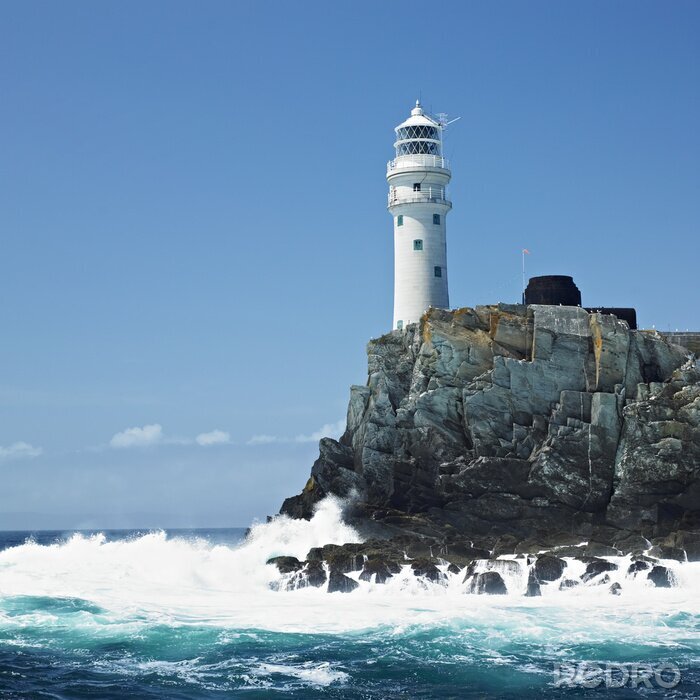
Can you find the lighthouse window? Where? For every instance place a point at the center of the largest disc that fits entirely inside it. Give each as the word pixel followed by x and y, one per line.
pixel 416 186
pixel 417 132
pixel 436 219
pixel 399 220
pixel 418 244
pixel 438 271
pixel 408 148
pixel 399 325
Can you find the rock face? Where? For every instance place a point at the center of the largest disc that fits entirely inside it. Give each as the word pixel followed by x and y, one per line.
pixel 533 585
pixel 597 567
pixel 490 582
pixel 286 565
pixel 540 423
pixel 549 568
pixel 660 576
pixel 340 583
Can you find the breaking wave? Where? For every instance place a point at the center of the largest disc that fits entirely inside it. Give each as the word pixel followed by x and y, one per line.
pixel 180 613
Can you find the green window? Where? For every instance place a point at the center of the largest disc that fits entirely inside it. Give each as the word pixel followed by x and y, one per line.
pixel 399 325
pixel 436 219
pixel 438 271
pixel 418 244
pixel 399 220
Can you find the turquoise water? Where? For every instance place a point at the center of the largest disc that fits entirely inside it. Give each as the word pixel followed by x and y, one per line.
pixel 193 615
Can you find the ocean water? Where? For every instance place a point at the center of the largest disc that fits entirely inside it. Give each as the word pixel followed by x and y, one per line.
pixel 195 614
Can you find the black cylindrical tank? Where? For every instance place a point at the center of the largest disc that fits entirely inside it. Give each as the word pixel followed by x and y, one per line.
pixel 553 289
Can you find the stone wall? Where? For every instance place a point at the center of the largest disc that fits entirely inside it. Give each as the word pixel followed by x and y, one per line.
pixel 688 339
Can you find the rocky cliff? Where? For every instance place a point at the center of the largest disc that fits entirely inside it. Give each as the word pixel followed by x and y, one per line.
pixel 506 423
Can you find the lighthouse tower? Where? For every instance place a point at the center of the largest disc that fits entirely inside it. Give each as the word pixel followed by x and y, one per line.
pixel 418 178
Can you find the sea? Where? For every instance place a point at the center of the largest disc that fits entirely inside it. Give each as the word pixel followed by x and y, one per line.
pixel 199 614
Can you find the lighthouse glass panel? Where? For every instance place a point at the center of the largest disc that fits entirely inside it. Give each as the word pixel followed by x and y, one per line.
pixel 410 148
pixel 417 132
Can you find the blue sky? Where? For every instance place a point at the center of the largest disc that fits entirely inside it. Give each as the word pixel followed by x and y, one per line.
pixel 194 229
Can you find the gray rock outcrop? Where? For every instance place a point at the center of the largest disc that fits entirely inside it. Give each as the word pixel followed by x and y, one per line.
pixel 540 423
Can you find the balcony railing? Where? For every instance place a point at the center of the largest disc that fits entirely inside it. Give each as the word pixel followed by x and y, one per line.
pixel 418 160
pixel 430 194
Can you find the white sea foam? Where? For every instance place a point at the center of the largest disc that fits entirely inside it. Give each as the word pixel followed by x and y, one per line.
pixel 322 674
pixel 176 581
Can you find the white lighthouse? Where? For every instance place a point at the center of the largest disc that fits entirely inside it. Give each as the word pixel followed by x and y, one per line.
pixel 418 178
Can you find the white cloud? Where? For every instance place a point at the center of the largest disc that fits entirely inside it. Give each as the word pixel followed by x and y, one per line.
pixel 331 430
pixel 264 440
pixel 215 437
pixel 138 437
pixel 19 450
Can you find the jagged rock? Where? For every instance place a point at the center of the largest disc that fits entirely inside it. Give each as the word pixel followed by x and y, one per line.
pixel 343 558
pixel 503 424
pixel 574 551
pixel 661 577
pixel 314 574
pixel 332 473
pixel 549 568
pixel 615 589
pixel 546 541
pixel 378 569
pixel 462 553
pixel 687 541
pixel 568 583
pixel 533 585
pixel 658 465
pixel 489 582
pixel 596 549
pixel 597 567
pixel 427 569
pixel 665 552
pixel 501 566
pixel 339 582
pixel 632 544
pixel 286 565
pixel 636 566
pixel 505 544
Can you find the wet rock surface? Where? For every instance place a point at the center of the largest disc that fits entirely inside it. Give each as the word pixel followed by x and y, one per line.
pixel 489 582
pixel 286 565
pixel 549 568
pixel 379 571
pixel 343 568
pixel 533 585
pixel 314 574
pixel 427 569
pixel 660 576
pixel 568 583
pixel 597 567
pixel 340 583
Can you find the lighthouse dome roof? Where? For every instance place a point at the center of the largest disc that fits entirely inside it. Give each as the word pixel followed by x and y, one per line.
pixel 418 118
